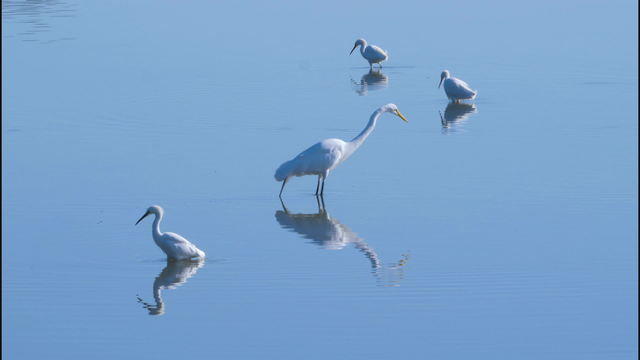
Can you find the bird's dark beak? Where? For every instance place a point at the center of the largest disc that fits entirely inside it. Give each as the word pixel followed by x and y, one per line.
pixel 440 82
pixel 354 47
pixel 143 216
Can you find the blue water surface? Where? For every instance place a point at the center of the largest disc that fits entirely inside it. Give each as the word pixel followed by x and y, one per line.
pixel 501 229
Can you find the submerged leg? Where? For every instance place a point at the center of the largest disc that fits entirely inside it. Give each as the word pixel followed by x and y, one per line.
pixel 284 182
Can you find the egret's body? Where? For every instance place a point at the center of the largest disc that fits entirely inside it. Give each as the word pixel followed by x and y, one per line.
pixel 455 88
pixel 324 156
pixel 373 54
pixel 175 246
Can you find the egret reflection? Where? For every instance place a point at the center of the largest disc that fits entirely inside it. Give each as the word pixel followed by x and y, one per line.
pixel 331 234
pixel 371 81
pixel 173 275
pixel 455 115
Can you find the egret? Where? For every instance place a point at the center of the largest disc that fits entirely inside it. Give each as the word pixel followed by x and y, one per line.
pixel 324 156
pixel 175 246
pixel 455 88
pixel 371 53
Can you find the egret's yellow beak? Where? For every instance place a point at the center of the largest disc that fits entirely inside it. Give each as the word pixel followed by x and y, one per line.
pixel 397 112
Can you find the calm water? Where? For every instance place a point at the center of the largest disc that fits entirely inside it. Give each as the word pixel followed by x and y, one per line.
pixel 501 230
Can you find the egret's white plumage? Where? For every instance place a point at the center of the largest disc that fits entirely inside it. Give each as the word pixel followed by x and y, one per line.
pixel 324 156
pixel 175 246
pixel 371 53
pixel 455 88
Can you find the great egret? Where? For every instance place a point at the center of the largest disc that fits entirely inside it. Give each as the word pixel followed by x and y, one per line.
pixel 324 156
pixel 371 53
pixel 175 246
pixel 455 88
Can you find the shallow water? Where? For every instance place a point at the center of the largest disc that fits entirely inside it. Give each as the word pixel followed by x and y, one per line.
pixel 506 229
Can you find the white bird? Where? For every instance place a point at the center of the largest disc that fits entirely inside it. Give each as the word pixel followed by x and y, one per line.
pixel 324 156
pixel 455 88
pixel 371 53
pixel 175 246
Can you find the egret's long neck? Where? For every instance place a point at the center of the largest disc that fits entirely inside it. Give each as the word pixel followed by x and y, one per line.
pixel 156 226
pixel 358 140
pixel 364 45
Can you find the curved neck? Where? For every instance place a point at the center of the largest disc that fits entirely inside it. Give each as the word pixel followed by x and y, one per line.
pixel 364 45
pixel 358 140
pixel 155 228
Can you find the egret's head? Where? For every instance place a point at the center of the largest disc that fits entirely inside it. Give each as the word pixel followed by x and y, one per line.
pixel 392 108
pixel 154 209
pixel 359 42
pixel 445 74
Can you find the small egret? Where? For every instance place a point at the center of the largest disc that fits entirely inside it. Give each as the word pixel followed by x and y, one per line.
pixel 371 53
pixel 455 88
pixel 324 156
pixel 175 246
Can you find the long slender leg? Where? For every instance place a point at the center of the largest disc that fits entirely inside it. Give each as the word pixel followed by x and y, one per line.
pixel 322 191
pixel 318 186
pixel 282 188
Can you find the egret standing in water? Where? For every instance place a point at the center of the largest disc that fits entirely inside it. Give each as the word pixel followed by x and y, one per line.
pixel 455 88
pixel 175 246
pixel 324 156
pixel 371 53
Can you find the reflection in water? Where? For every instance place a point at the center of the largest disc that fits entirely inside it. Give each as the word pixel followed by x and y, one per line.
pixel 174 274
pixel 455 115
pixel 371 81
pixel 37 17
pixel 330 234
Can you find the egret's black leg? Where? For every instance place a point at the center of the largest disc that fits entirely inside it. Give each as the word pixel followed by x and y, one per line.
pixel 322 190
pixel 318 186
pixel 321 203
pixel 282 188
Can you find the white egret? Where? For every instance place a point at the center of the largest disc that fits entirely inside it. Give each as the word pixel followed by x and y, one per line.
pixel 324 156
pixel 455 88
pixel 175 246
pixel 371 53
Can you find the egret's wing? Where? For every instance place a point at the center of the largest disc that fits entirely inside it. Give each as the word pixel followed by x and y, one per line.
pixel 375 53
pixel 321 157
pixel 180 245
pixel 457 88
